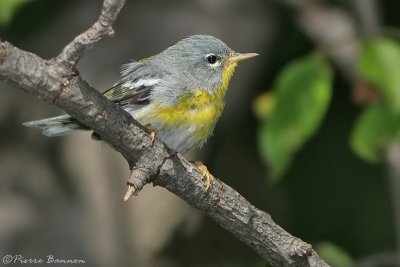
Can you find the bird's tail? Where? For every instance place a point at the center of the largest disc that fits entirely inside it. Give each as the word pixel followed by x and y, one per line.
pixel 57 126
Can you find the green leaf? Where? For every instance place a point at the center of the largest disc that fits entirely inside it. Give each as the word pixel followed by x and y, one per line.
pixel 379 64
pixel 334 255
pixel 376 127
pixel 302 95
pixel 8 8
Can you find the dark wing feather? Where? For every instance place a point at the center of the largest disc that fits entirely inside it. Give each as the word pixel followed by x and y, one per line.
pixel 134 96
pixel 135 87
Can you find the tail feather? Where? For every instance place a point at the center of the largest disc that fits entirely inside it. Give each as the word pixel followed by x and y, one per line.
pixel 56 126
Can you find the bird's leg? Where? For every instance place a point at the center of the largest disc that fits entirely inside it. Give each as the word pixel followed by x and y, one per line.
pixel 152 131
pixel 208 177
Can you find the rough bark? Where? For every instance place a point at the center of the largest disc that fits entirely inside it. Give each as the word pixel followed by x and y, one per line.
pixel 56 81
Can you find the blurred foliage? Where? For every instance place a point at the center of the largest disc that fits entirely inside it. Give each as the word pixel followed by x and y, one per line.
pixel 302 94
pixel 264 105
pixel 379 64
pixel 292 112
pixel 334 255
pixel 376 127
pixel 8 9
pixel 379 124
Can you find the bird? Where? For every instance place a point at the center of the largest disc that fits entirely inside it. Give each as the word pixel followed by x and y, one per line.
pixel 178 94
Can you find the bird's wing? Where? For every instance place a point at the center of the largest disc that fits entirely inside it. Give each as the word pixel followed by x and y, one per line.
pixel 137 82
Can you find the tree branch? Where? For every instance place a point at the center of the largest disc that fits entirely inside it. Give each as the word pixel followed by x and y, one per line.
pixel 56 81
pixel 100 29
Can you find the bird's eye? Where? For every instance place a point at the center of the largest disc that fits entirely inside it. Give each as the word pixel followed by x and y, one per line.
pixel 212 58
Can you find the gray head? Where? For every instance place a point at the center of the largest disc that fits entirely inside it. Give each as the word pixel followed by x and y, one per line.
pixel 202 59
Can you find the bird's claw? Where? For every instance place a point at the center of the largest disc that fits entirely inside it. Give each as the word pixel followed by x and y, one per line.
pixel 152 132
pixel 208 177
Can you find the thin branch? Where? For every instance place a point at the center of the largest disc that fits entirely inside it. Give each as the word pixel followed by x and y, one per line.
pixel 335 31
pixel 153 162
pixel 368 12
pixel 393 167
pixel 72 52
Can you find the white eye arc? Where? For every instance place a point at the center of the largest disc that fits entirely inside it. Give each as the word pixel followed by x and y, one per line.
pixel 213 60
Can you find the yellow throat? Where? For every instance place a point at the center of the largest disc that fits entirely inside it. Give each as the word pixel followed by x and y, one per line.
pixel 199 109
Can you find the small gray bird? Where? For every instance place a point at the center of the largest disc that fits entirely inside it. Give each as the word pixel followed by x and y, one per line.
pixel 179 93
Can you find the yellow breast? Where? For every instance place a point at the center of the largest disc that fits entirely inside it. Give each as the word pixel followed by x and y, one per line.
pixel 199 109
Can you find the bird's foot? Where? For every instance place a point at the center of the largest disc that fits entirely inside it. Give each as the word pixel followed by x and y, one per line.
pixel 152 132
pixel 208 177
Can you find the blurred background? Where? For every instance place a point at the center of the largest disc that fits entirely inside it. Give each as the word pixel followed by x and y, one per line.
pixel 309 134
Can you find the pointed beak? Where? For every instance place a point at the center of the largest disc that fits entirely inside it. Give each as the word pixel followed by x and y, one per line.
pixel 236 57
